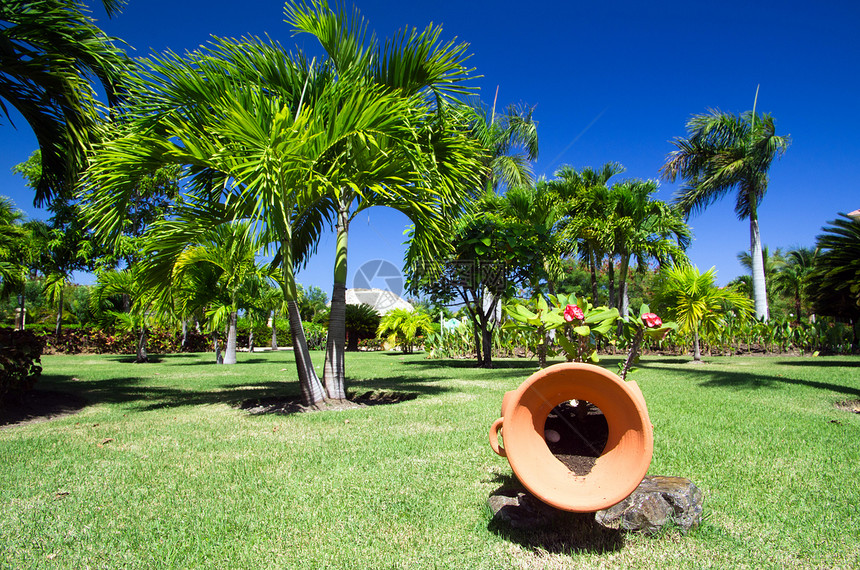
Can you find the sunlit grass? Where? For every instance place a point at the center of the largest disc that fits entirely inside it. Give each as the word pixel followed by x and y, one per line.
pixel 162 470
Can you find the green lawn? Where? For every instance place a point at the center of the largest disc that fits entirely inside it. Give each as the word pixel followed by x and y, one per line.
pixel 188 480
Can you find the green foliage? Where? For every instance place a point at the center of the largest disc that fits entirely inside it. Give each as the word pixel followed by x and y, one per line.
pixel 20 364
pixel 362 321
pixel 405 328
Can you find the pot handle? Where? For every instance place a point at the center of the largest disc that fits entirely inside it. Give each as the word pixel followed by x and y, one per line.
pixel 494 437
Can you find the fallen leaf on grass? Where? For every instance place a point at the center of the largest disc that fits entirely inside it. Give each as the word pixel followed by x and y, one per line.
pixel 52 556
pixel 105 440
pixel 60 494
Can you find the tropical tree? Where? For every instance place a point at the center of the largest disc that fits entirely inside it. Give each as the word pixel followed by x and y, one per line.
pixel 793 277
pixel 584 226
pixel 227 250
pixel 140 316
pixel 696 303
pixel 416 66
pixel 834 282
pixel 643 229
pixel 725 153
pixel 259 134
pixel 772 264
pixel 13 237
pixel 49 51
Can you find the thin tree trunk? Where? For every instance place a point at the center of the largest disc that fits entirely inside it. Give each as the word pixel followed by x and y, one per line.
pixel 230 349
pixel 184 334
pixel 623 299
pixel 251 338
pixel 610 272
pixel 697 353
pixel 22 308
pixel 274 331
pixel 311 387
pixel 141 346
pixel 219 359
pixel 758 278
pixel 334 372
pixel 58 329
pixel 592 262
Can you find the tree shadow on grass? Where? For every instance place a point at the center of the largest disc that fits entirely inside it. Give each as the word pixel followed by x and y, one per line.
pixel 136 393
pixel 742 380
pixel 541 528
pixel 821 363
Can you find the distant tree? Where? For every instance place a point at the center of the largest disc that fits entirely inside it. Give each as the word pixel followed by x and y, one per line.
pixel 403 328
pixel 834 282
pixel 792 277
pixel 362 321
pixel 722 153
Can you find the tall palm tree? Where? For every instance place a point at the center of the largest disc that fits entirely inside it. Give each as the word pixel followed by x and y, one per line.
pixel 414 65
pixel 643 229
pixel 49 50
pixel 722 153
pixel 772 263
pixel 695 302
pixel 260 135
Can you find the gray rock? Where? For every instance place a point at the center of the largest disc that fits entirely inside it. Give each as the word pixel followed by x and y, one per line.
pixel 656 503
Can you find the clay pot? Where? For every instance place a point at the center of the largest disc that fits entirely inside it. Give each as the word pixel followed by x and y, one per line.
pixel 624 460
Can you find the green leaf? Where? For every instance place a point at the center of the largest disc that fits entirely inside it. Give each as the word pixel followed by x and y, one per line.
pixel 583 330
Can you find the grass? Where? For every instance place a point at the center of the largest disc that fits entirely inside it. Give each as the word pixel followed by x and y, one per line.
pixel 161 470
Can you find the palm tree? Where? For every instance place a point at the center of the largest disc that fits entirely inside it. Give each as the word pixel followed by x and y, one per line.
pixel 772 264
pixel 793 276
pixel 415 66
pixel 695 302
pixel 128 283
pixel 585 226
pixel 260 136
pixel 13 238
pixel 404 328
pixel 643 229
pixel 722 153
pixel 49 50
pixel 229 251
pixel 834 283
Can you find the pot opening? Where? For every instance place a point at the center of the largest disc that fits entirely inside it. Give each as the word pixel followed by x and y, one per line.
pixel 576 432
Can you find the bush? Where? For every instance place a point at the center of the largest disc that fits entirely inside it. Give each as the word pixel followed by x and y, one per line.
pixel 20 362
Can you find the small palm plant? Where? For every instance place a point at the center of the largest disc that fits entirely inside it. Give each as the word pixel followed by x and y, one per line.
pixel 404 328
pixel 697 303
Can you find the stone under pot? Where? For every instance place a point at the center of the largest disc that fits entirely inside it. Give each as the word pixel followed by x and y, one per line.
pixel 618 469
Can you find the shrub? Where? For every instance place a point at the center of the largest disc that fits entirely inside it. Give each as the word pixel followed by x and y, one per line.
pixel 20 362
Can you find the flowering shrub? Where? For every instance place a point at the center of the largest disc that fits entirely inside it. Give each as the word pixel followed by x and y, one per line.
pixel 576 324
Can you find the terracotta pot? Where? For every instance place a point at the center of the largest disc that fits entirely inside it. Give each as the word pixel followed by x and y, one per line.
pixel 618 470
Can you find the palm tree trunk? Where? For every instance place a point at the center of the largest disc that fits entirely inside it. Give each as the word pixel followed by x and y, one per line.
pixel 758 279
pixel 22 309
pixel 251 338
pixel 219 358
pixel 58 329
pixel 334 372
pixel 623 299
pixel 592 264
pixel 697 353
pixel 141 346
pixel 184 334
pixel 311 387
pixel 230 349
pixel 274 331
pixel 610 272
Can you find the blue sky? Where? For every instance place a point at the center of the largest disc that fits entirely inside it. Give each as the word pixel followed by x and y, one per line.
pixel 611 81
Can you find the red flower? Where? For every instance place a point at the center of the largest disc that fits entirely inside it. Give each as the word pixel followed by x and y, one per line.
pixel 572 312
pixel 652 321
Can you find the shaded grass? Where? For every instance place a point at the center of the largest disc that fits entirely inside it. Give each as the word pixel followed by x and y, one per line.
pixel 189 480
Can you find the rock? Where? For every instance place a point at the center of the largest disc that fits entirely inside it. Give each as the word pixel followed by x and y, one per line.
pixel 656 503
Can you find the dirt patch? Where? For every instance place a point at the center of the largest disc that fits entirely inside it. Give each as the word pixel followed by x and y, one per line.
pixel 293 405
pixel 848 406
pixel 576 434
pixel 39 406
